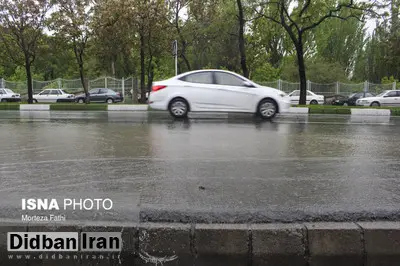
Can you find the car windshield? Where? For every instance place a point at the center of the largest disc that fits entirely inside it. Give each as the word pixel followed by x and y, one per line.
pixel 381 94
pixel 352 95
pixel 9 91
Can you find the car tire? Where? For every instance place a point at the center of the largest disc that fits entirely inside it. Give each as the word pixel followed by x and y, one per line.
pixel 3 100
pixel 178 108
pixel 376 104
pixel 110 101
pixel 314 102
pixel 267 109
pixel 345 104
pixel 81 100
pixel 34 101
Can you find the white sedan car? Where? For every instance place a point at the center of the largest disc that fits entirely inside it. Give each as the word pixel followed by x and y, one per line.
pixel 7 95
pixel 216 91
pixel 312 98
pixel 386 98
pixel 53 96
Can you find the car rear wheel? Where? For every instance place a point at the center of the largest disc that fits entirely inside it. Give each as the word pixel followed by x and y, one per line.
pixel 178 108
pixel 81 100
pixel 345 104
pixel 375 104
pixel 267 109
pixel 3 100
pixel 110 100
pixel 313 102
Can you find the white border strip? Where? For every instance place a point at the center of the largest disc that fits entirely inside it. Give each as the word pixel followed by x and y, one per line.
pixel 127 107
pixel 370 112
pixel 34 107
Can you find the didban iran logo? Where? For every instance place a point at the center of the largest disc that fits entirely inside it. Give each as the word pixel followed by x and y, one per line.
pixel 64 241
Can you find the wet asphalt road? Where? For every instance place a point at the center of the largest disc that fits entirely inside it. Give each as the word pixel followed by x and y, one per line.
pixel 296 168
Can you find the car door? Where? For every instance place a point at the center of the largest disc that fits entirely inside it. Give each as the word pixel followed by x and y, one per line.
pixel 103 95
pixel 198 88
pixel 390 99
pixel 94 95
pixel 53 96
pixel 43 96
pixel 232 94
pixel 295 97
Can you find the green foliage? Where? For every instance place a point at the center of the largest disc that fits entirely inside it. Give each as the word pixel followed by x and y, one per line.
pixel 265 72
pixel 386 80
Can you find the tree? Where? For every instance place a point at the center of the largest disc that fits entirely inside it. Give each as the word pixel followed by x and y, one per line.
pixel 176 7
pixel 303 18
pixel 21 27
pixel 72 22
pixel 242 48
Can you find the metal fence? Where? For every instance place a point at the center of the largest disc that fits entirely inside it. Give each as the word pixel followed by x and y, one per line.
pixel 330 89
pixel 126 86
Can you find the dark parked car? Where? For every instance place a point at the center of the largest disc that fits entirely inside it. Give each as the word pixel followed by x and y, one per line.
pixel 101 95
pixel 351 100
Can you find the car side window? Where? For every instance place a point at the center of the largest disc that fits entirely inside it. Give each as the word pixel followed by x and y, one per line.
pixel 228 79
pixel 201 77
pixel 54 92
pixel 391 94
pixel 103 91
pixel 46 92
pixel 2 92
pixel 308 93
pixel 94 91
pixel 295 93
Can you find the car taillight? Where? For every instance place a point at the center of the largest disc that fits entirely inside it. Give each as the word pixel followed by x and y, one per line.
pixel 158 87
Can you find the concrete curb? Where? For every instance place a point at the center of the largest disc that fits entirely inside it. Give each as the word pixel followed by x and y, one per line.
pixel 356 112
pixel 127 107
pixel 371 112
pixel 364 243
pixel 34 107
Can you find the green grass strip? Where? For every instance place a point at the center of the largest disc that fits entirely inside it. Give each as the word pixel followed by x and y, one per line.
pixel 78 107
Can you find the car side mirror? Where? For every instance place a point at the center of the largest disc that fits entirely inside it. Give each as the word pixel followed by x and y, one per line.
pixel 247 84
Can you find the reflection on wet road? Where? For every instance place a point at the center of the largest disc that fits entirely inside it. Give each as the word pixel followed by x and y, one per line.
pixel 232 170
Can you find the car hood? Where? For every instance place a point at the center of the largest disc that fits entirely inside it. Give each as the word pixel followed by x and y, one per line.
pixel 272 90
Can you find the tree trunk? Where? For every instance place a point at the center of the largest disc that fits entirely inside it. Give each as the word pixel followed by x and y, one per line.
pixel 302 71
pixel 242 48
pixel 142 70
pixel 29 79
pixel 113 67
pixel 84 82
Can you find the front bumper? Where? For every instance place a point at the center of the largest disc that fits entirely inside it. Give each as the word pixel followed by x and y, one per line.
pixel 359 103
pixel 66 100
pixel 12 99
pixel 284 105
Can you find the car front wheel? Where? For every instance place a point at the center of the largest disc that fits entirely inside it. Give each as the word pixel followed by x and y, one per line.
pixel 313 102
pixel 376 104
pixel 267 109
pixel 178 108
pixel 81 100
